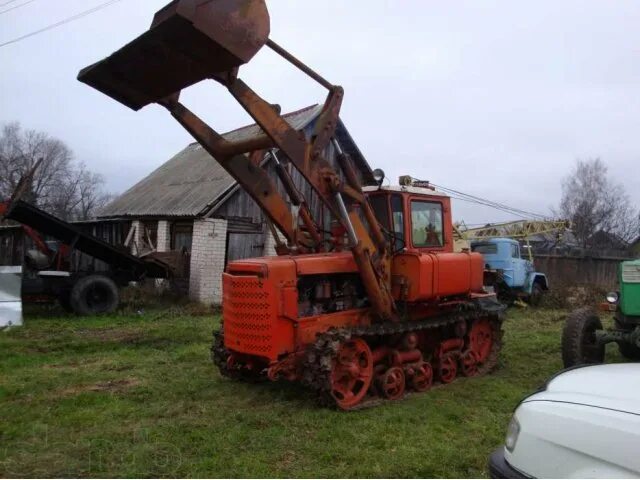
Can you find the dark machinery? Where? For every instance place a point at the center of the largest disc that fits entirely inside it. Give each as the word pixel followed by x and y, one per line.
pixel 381 308
pixel 85 293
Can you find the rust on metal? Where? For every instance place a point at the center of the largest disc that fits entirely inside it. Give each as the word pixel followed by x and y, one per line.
pixel 189 41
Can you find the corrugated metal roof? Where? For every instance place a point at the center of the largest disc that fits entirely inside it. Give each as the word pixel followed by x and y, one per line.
pixel 191 181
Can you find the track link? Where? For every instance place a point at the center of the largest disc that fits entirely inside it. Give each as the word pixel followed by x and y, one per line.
pixel 321 355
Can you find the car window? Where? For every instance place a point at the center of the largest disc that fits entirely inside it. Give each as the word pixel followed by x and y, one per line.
pixel 515 251
pixel 426 224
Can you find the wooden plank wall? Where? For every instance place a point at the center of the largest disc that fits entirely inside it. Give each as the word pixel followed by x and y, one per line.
pixel 571 270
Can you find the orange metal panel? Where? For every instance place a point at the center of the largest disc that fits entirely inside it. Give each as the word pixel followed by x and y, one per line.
pixel 342 262
pixel 420 277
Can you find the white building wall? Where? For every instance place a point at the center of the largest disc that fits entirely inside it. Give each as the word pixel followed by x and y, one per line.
pixel 270 243
pixel 208 250
pixel 136 242
pixel 164 236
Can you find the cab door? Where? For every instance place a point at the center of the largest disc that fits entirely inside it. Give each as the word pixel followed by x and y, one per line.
pixel 519 266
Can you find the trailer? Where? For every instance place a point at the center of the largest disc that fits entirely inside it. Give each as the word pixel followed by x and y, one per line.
pixel 81 292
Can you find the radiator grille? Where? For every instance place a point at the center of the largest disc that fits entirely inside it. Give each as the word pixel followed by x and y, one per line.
pixel 631 273
pixel 247 313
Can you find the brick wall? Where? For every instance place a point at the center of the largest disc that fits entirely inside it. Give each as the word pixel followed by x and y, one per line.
pixel 270 243
pixel 136 242
pixel 208 250
pixel 164 236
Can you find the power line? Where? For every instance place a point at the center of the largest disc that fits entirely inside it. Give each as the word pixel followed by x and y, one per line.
pixel 492 203
pixel 506 210
pixel 61 22
pixel 483 201
pixel 7 3
pixel 17 6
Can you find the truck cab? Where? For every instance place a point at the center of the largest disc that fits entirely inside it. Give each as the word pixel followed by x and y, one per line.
pixel 508 273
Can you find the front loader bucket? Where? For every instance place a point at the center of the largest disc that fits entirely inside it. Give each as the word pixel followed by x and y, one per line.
pixel 189 41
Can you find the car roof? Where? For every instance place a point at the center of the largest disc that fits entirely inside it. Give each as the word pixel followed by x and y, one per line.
pixel 612 386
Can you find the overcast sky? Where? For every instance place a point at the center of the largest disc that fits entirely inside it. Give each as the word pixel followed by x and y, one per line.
pixel 493 98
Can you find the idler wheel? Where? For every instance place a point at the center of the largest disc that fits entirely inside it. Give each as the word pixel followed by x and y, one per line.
pixel 351 373
pixel 481 339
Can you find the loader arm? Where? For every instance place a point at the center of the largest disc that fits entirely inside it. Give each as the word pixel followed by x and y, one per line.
pixel 193 40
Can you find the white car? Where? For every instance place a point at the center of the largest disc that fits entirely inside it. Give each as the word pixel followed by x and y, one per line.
pixel 584 423
pixel 10 298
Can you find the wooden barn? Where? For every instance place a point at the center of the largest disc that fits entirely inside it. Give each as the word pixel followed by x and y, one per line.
pixel 190 204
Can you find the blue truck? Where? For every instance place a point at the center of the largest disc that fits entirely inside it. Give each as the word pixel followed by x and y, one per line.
pixel 511 276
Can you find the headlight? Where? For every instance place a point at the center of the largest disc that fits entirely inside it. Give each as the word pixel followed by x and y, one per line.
pixel 378 176
pixel 513 430
pixel 612 297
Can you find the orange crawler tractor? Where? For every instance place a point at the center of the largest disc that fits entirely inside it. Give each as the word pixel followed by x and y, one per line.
pixel 380 306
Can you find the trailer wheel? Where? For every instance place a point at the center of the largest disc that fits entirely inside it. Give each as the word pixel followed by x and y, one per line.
pixel 627 350
pixel 579 345
pixel 94 295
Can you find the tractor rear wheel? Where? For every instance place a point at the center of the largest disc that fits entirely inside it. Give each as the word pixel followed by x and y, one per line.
pixel 627 350
pixel 94 295
pixel 579 343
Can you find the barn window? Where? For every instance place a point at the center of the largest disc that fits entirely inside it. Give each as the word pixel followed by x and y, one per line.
pixel 181 236
pixel 151 233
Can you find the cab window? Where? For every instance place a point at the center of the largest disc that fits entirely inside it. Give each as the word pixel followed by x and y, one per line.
pixel 426 224
pixel 485 248
pixel 397 217
pixel 515 251
pixel 380 209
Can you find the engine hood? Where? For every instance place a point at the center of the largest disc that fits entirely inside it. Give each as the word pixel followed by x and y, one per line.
pixel 613 386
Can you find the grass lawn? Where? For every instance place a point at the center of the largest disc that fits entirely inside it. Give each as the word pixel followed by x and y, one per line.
pixel 137 396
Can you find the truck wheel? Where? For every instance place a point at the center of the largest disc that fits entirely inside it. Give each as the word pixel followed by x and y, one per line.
pixel 627 350
pixel 536 295
pixel 93 295
pixel 579 345
pixel 504 294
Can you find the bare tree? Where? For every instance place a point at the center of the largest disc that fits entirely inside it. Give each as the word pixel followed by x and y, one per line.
pixel 60 186
pixel 596 204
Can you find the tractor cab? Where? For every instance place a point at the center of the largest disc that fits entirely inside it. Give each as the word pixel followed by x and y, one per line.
pixel 414 215
pixel 417 220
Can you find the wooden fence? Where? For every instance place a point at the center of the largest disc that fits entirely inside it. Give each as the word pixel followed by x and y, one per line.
pixel 579 270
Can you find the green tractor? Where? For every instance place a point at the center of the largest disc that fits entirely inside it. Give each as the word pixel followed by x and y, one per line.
pixel 584 338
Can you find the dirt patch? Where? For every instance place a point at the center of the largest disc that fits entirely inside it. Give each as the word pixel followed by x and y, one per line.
pixel 112 386
pixel 101 364
pixel 574 296
pixel 111 335
pixel 287 459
